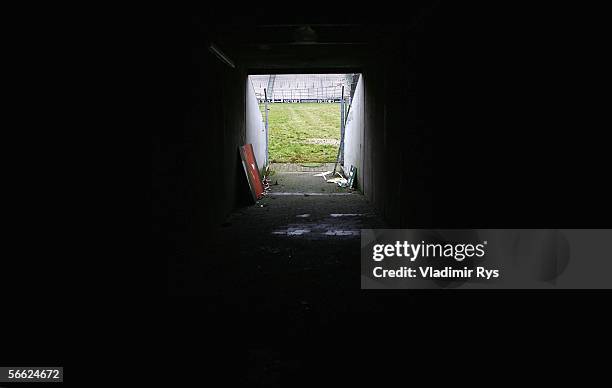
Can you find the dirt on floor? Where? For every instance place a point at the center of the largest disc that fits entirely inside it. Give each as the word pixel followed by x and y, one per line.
pixel 296 249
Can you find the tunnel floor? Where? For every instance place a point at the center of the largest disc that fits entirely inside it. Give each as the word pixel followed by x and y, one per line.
pixel 298 248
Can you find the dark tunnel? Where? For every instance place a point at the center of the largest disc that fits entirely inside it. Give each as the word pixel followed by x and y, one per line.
pixel 343 194
pixel 459 128
pixel 474 116
pixel 470 121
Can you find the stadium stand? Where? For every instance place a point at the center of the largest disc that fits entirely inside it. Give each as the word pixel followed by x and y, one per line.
pixel 296 88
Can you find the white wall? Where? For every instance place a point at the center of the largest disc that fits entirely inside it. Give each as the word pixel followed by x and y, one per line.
pixel 353 133
pixel 255 128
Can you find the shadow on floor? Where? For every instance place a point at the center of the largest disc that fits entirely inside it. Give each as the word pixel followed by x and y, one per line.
pixel 297 249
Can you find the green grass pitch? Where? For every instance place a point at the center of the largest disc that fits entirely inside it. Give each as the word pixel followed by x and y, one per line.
pixel 303 133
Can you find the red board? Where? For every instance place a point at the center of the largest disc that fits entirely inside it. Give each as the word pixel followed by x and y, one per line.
pixel 251 170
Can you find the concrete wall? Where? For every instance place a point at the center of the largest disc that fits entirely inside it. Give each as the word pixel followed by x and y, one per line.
pixel 255 126
pixel 216 126
pixel 353 133
pixel 397 173
pixel 198 178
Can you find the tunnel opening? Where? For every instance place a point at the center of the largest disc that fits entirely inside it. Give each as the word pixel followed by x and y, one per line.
pixel 472 119
pixel 306 134
pixel 300 136
pixel 302 240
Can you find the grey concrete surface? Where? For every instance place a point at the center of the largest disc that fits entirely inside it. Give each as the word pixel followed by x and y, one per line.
pixel 297 167
pixel 298 251
pixel 303 182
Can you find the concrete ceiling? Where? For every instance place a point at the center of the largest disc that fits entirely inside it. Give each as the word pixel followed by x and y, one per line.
pixel 276 43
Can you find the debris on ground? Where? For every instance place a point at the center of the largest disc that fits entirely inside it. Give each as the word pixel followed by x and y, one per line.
pixel 251 171
pixel 351 177
pixel 324 174
pixel 265 181
pixel 340 180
